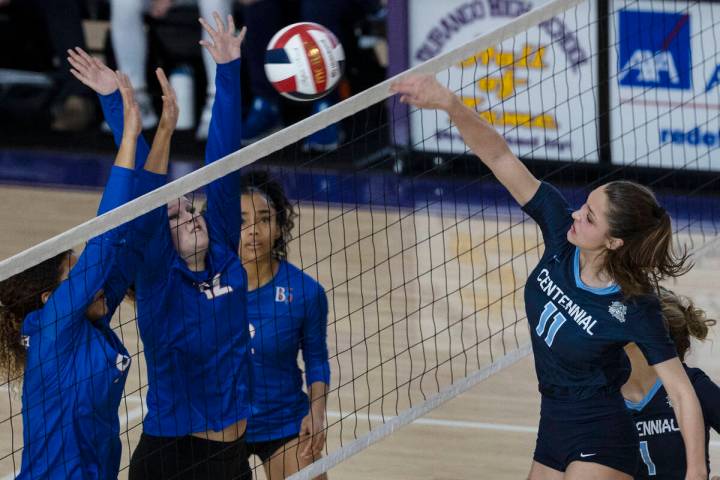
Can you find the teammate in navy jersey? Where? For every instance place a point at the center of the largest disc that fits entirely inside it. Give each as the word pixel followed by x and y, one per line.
pixel 191 301
pixel 287 312
pixel 661 445
pixel 590 294
pixel 56 330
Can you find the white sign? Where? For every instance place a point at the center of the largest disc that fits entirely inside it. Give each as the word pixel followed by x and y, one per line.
pixel 665 85
pixel 537 89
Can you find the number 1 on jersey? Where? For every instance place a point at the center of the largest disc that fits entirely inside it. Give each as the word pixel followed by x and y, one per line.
pixel 645 454
pixel 558 321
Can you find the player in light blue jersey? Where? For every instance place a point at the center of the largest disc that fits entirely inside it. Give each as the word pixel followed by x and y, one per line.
pixel 56 332
pixel 287 312
pixel 592 292
pixel 191 301
pixel 661 444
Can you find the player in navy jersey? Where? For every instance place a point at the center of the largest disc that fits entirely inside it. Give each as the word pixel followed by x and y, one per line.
pixel 661 445
pixel 287 312
pixel 191 300
pixel 590 294
pixel 56 331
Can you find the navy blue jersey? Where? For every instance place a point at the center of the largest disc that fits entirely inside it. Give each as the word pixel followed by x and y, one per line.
pixel 75 370
pixel 578 332
pixel 193 324
pixel 286 315
pixel 661 445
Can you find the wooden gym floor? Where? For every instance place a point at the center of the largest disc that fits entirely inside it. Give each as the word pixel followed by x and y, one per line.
pixel 410 304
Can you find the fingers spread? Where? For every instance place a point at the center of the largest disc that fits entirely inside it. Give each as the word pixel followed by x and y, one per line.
pixel 167 89
pixel 231 24
pixel 206 26
pixel 241 35
pixel 219 22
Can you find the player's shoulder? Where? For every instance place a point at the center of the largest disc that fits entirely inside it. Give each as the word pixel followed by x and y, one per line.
pixel 696 375
pixel 643 307
pixel 299 279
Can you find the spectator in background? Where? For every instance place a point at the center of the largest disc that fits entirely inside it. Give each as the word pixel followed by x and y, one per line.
pixel 73 108
pixel 266 18
pixel 130 46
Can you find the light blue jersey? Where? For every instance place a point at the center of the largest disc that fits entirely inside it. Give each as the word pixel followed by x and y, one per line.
pixel 286 315
pixel 76 370
pixel 193 324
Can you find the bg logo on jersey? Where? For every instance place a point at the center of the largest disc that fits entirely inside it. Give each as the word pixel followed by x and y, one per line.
pixel 655 50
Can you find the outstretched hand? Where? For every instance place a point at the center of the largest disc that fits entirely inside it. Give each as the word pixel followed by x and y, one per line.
pixel 170 110
pixel 132 122
pixel 423 91
pixel 224 45
pixel 92 72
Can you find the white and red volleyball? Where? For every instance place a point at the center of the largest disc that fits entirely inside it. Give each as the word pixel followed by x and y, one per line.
pixel 304 61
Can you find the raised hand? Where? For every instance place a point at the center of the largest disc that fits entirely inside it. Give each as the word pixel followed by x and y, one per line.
pixel 132 122
pixel 423 91
pixel 225 45
pixel 170 111
pixel 92 72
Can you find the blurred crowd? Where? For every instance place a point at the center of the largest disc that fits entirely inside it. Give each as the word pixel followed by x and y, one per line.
pixel 135 36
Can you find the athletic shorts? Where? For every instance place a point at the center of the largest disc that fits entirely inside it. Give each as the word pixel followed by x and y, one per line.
pixel 598 430
pixel 189 458
pixel 264 450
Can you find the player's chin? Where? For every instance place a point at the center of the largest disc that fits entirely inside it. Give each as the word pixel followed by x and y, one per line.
pixel 572 237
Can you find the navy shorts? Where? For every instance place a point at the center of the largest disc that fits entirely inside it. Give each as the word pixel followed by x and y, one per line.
pixel 598 430
pixel 266 449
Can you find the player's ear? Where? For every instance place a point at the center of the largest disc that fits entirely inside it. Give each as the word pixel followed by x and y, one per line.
pixel 613 243
pixel 44 296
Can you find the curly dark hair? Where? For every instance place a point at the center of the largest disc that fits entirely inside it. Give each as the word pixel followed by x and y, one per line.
pixel 260 181
pixel 20 295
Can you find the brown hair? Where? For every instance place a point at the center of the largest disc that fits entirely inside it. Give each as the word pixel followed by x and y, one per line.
pixel 647 254
pixel 273 191
pixel 683 320
pixel 20 295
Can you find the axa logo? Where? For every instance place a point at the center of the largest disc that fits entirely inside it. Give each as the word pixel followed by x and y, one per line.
pixel 283 295
pixel 654 49
pixel 214 289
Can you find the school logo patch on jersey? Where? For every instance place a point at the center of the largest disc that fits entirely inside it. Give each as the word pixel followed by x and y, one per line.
pixel 618 310
pixel 215 289
pixel 283 295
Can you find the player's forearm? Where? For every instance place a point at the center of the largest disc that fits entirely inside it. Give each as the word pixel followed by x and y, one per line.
pixel 159 156
pixel 493 151
pixel 478 134
pixel 125 157
pixel 692 427
pixel 318 397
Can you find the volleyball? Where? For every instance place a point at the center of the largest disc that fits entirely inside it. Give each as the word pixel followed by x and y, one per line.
pixel 304 61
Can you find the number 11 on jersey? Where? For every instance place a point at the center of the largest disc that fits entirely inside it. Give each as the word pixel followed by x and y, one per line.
pixel 558 321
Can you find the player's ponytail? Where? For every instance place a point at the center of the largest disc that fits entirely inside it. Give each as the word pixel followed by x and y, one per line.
pixel 647 254
pixel 684 320
pixel 260 182
pixel 20 295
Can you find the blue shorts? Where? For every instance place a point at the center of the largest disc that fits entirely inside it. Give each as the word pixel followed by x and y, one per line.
pixel 598 430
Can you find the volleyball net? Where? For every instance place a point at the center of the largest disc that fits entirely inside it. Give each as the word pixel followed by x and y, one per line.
pixel 422 255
